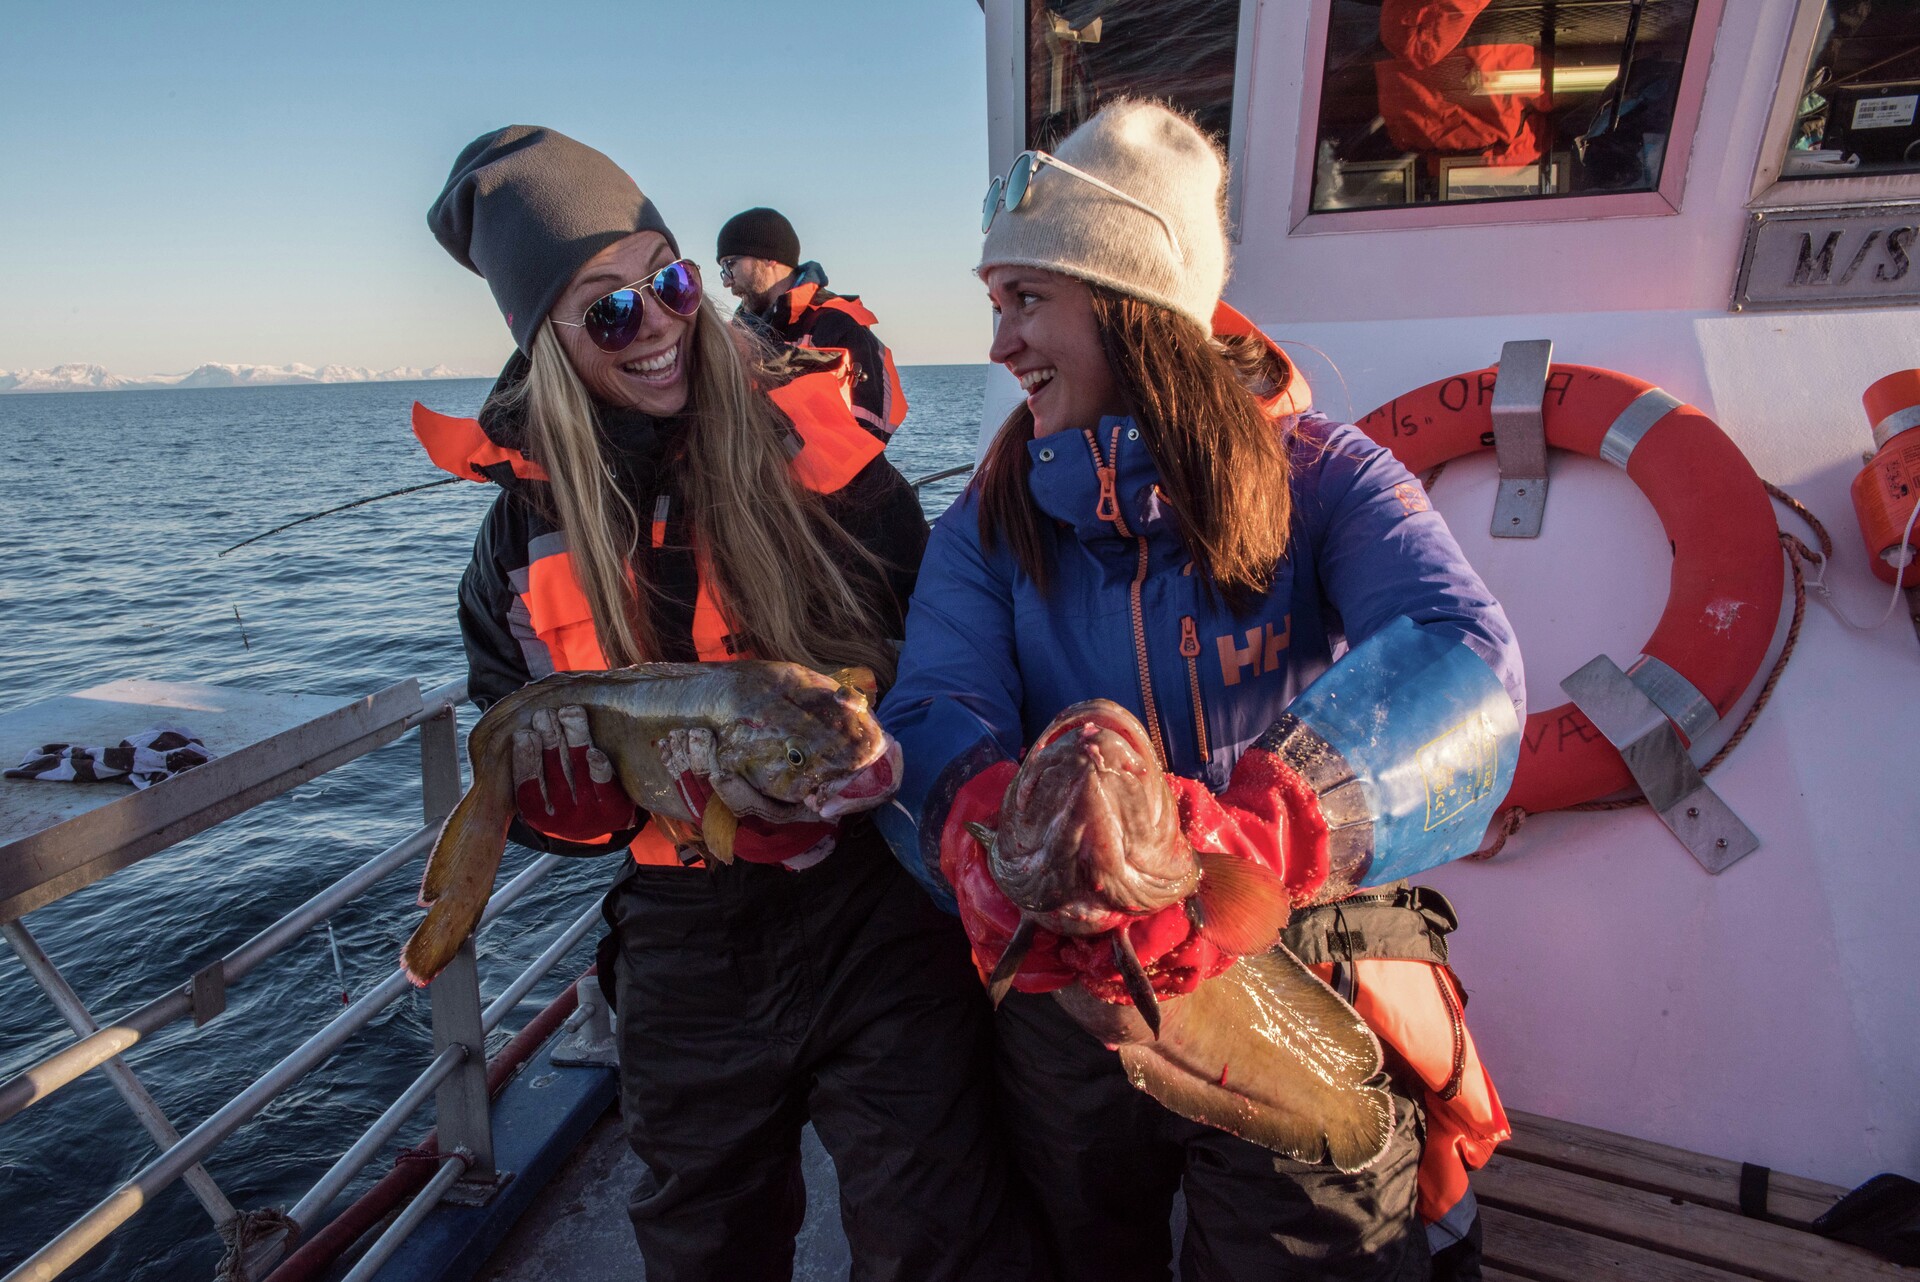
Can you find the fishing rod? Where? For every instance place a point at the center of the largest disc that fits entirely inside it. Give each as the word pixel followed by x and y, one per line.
pixel 374 498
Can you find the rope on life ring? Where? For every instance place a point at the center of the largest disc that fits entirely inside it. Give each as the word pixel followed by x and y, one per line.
pixel 1726 587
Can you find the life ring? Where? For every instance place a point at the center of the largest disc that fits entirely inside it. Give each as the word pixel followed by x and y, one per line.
pixel 1724 598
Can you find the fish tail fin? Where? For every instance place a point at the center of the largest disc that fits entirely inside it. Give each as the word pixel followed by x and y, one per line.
pixel 461 869
pixel 1243 904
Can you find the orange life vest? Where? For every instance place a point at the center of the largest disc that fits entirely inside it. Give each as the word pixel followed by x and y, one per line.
pixel 831 449
pixel 800 301
pixel 1417 1008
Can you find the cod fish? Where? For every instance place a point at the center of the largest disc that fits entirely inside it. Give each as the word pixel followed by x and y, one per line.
pixel 1089 842
pixel 793 735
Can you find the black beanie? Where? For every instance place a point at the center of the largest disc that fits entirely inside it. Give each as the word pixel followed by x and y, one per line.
pixel 760 233
pixel 526 207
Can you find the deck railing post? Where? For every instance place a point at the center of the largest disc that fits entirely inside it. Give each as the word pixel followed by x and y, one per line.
pixel 439 766
pixel 461 1102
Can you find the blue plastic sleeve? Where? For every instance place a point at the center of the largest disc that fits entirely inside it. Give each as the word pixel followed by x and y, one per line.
pixel 1430 736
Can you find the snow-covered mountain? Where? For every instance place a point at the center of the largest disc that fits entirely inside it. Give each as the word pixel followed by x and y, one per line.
pixel 93 378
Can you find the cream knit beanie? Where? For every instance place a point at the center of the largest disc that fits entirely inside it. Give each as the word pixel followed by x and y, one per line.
pixel 1068 225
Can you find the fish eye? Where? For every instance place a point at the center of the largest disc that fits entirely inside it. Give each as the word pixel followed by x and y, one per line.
pixel 796 755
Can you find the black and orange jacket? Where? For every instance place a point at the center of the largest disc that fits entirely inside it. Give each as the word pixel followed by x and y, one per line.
pixel 523 614
pixel 807 314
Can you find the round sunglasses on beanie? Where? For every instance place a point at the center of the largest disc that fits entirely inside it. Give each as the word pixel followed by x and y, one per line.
pixel 525 208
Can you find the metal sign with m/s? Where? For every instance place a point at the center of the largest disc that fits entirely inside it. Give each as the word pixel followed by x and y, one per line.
pixel 1830 256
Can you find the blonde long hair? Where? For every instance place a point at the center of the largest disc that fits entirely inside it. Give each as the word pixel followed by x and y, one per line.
pixel 766 541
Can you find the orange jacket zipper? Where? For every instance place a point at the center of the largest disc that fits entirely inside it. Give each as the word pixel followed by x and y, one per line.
pixel 1190 650
pixel 1109 510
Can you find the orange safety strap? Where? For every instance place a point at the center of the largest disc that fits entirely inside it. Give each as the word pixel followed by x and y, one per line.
pixel 460 446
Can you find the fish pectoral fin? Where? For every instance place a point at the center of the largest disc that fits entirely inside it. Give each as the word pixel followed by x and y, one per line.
pixel 1134 975
pixel 1009 964
pixel 717 826
pixel 858 678
pixel 982 834
pixel 1243 904
pixel 1270 1053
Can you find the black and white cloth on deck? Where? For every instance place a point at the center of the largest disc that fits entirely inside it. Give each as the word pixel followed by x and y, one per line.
pixel 143 759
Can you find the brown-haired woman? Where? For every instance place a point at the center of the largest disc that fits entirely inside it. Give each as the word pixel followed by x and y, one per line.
pixel 668 496
pixel 1160 524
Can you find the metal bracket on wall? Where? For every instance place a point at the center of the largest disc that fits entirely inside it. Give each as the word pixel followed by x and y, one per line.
pixel 1520 437
pixel 1651 747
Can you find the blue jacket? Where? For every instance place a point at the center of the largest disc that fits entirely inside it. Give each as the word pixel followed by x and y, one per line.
pixel 989 660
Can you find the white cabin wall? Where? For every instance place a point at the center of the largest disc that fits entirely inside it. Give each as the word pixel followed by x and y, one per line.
pixel 1768 1014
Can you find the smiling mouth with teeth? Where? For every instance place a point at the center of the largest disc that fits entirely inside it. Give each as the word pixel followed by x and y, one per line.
pixel 658 368
pixel 1034 379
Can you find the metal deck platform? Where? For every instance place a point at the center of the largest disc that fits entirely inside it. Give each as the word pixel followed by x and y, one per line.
pixel 577 1229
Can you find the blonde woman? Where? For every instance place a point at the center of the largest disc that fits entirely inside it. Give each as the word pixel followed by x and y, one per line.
pixel 667 497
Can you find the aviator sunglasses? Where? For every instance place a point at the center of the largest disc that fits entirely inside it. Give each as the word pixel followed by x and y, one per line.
pixel 614 320
pixel 1011 192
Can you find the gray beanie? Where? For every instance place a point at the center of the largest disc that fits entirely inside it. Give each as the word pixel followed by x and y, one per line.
pixel 526 207
pixel 1071 226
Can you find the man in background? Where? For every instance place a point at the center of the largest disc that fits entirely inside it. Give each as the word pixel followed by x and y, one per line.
pixel 787 301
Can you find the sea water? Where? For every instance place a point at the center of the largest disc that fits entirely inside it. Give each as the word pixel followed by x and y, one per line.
pixel 113 510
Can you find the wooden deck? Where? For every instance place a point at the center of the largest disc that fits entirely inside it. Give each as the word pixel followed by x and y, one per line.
pixel 1567 1203
pixel 1559 1203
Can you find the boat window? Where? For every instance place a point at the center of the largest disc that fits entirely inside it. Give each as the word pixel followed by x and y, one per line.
pixel 1080 53
pixel 1856 113
pixel 1430 102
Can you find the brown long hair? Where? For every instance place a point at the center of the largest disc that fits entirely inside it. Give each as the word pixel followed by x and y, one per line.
pixel 1222 460
pixel 767 542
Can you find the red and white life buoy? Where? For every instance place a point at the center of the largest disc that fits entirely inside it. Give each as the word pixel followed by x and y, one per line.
pixel 1724 598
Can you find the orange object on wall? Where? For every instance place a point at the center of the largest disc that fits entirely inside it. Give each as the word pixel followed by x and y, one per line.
pixel 1886 490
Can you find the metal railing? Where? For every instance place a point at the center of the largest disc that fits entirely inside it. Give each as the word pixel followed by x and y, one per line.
pixel 455 1077
pixel 943 474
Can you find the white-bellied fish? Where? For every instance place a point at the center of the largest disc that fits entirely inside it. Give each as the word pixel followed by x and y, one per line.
pixel 792 735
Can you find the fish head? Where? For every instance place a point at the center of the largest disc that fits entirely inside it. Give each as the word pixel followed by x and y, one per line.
pixel 1090 832
pixel 813 741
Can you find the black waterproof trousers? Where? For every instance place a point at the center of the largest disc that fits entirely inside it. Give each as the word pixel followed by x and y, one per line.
pixel 1103 1161
pixel 750 1000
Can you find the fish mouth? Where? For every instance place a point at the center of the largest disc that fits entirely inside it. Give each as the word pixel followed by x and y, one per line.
pixel 866 788
pixel 1103 715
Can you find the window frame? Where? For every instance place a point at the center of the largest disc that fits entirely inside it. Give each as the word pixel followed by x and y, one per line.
pixel 1769 190
pixel 1246 33
pixel 1662 201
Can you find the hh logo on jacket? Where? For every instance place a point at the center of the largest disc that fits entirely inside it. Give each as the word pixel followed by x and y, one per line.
pixel 1264 651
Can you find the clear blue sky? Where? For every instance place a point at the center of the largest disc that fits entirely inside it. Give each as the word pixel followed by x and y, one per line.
pixel 199 181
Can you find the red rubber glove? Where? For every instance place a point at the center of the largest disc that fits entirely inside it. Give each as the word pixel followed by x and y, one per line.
pixel 1267 813
pixel 563 785
pixel 1176 958
pixel 988 916
pixel 785 834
